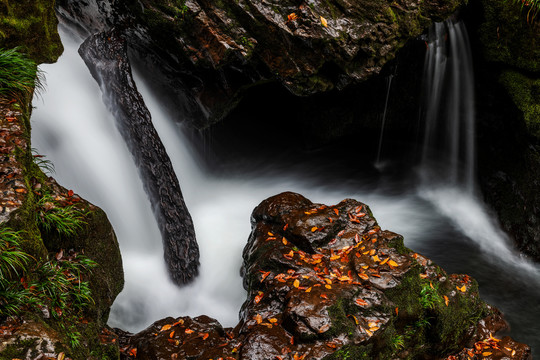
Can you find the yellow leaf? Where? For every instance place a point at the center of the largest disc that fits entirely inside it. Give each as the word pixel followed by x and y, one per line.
pixel 384 261
pixel 392 263
pixel 308 289
pixel 296 283
pixel 313 229
pixel 486 353
pixel 462 289
pixel 324 22
pixel 376 258
pixel 328 286
pixel 284 241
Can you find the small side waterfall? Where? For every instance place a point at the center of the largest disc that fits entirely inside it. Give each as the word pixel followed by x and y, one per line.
pixel 448 149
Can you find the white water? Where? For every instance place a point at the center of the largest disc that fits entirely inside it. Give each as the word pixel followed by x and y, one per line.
pixel 73 129
pixel 449 107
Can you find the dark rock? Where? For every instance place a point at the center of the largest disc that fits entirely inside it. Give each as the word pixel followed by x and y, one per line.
pixel 507 73
pixel 358 294
pixel 106 56
pixel 217 49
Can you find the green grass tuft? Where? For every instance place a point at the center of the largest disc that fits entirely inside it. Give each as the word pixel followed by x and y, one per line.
pixel 18 76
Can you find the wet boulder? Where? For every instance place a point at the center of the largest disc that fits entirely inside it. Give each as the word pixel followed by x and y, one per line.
pixel 326 282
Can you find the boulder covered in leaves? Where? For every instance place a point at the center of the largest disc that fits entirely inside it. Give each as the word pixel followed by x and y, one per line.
pixel 326 282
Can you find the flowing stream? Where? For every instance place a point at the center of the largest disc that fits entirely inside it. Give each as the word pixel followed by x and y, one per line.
pixel 73 129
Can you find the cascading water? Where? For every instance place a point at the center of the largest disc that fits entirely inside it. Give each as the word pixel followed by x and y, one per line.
pixel 448 153
pixel 73 129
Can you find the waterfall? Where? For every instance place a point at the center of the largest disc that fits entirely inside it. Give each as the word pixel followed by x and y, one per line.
pixel 72 128
pixel 448 150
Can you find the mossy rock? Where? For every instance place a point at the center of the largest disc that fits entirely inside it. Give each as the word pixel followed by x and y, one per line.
pixel 508 37
pixel 32 26
pixel 525 92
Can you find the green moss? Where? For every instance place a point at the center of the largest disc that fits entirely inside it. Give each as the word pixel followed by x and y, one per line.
pixel 351 352
pixel 525 93
pixel 341 324
pixel 18 350
pixel 508 38
pixel 31 25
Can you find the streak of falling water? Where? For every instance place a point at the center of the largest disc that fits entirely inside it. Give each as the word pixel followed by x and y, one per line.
pixel 389 85
pixel 449 152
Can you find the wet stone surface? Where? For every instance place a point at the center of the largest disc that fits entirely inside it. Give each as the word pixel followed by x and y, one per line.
pixel 325 282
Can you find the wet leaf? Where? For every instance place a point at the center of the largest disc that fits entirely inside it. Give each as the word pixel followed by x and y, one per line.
pixel 324 328
pixel 361 302
pixel 259 297
pixel 292 17
pixel 363 276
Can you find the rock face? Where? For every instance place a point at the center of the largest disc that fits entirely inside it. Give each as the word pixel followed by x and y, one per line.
pixel 508 78
pixel 216 49
pixel 325 282
pixel 106 56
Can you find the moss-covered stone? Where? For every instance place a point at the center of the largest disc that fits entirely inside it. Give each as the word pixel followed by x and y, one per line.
pixel 508 37
pixel 525 92
pixel 32 26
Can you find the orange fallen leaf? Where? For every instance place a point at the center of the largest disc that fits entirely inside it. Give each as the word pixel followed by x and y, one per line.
pixel 133 352
pixel 392 263
pixel 292 17
pixel 296 283
pixel 258 318
pixel 384 261
pixel 205 336
pixel 259 297
pixel 273 320
pixel 486 353
pixel 446 300
pixel 336 211
pixel 189 331
pixel 376 258
pixel 363 276
pixel 166 327
pixel 313 229
pixel 284 241
pixel 328 286
pixel 462 289
pixel 285 227
pixel 361 302
pixel 324 328
pixel 308 289
pixel 397 310
pixel 270 234
pixel 171 335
